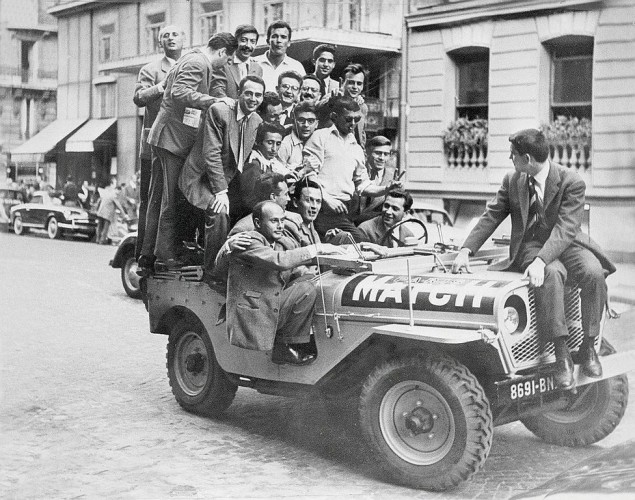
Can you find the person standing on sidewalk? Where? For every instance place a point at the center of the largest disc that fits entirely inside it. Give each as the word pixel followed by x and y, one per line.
pixel 107 211
pixel 148 94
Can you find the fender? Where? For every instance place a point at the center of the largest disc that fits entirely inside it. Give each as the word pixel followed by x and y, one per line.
pixel 435 334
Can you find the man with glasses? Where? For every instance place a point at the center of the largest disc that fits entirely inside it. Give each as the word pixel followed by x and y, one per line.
pixel 339 161
pixel 275 61
pixel 311 89
pixel 288 89
pixel 305 123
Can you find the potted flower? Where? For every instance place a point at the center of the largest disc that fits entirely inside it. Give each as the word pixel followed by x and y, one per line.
pixel 569 139
pixel 465 139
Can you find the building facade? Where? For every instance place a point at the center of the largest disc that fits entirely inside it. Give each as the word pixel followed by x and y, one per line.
pixel 102 46
pixel 477 71
pixel 28 81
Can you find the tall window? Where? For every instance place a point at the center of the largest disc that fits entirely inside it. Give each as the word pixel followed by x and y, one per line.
pixel 106 100
pixel 273 11
pixel 25 60
pixel 472 82
pixel 153 28
pixel 106 33
pixel 571 76
pixel 349 14
pixel 211 19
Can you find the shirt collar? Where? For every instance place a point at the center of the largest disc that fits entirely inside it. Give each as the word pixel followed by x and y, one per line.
pixel 541 177
pixel 350 138
pixel 240 115
pixel 170 60
pixel 238 61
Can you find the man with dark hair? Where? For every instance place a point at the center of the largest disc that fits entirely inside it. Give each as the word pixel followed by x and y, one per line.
pixel 148 93
pixel 70 193
pixel 275 61
pixel 334 154
pixel 324 61
pixel 312 89
pixel 266 308
pixel 211 177
pixel 227 78
pixel 396 204
pixel 288 88
pixel 307 200
pixel 305 123
pixel 174 131
pixel 546 205
pixel 271 108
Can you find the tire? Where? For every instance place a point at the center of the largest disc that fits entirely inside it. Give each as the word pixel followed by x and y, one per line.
pixel 18 228
pixel 129 277
pixel 198 382
pixel 427 420
pixel 53 229
pixel 591 414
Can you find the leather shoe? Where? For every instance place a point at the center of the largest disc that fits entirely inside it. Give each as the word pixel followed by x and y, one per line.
pixel 288 354
pixel 589 361
pixel 168 265
pixel 563 374
pixel 145 266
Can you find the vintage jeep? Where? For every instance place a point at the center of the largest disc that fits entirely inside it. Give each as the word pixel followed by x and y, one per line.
pixel 435 360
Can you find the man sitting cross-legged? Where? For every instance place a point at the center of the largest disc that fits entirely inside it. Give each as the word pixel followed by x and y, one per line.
pixel 265 306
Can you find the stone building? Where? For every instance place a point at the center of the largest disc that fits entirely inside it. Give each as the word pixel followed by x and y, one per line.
pixel 28 83
pixel 488 68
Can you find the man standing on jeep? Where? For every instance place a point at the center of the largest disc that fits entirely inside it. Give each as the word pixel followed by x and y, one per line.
pixel 546 203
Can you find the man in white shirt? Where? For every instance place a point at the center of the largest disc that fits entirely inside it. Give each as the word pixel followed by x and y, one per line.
pixel 305 123
pixel 275 61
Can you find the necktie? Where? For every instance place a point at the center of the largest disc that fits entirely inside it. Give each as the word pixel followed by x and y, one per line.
pixel 533 213
pixel 241 145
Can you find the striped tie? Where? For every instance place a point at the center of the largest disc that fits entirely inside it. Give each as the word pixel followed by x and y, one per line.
pixel 534 209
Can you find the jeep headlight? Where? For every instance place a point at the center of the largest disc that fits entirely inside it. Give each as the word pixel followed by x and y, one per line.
pixel 514 316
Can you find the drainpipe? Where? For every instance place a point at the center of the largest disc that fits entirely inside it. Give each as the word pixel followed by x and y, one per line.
pixel 403 104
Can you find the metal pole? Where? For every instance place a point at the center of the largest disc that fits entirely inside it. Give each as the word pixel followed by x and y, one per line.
pixel 410 309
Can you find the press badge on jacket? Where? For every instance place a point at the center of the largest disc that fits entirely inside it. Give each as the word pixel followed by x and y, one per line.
pixel 192 117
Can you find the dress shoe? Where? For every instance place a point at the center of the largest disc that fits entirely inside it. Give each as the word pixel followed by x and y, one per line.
pixel 145 266
pixel 289 354
pixel 589 361
pixel 168 265
pixel 563 374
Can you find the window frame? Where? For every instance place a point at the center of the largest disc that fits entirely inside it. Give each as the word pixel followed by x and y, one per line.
pixel 462 58
pixel 153 28
pixel 205 16
pixel 268 19
pixel 579 109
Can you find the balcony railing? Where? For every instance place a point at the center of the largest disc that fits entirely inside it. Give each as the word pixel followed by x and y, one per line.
pixel 571 157
pixel 26 75
pixel 470 157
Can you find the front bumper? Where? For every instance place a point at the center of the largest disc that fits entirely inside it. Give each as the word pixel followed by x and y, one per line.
pixel 79 226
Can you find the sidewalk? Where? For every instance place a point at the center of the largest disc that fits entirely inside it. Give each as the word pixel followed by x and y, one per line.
pixel 622 284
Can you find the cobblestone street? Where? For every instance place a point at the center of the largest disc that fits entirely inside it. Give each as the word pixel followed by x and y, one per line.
pixel 86 409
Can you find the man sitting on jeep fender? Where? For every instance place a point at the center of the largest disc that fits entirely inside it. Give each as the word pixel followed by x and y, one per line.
pixel 265 305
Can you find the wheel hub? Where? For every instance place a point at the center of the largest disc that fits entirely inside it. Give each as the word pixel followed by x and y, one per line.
pixel 419 421
pixel 194 363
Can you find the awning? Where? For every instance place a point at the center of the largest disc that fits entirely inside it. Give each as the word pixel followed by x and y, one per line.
pixel 84 139
pixel 36 148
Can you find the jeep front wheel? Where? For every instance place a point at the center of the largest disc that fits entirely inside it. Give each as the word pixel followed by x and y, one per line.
pixel 427 419
pixel 198 382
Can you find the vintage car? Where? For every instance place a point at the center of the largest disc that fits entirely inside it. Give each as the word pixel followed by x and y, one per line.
pixel 48 213
pixel 125 260
pixel 435 360
pixel 9 197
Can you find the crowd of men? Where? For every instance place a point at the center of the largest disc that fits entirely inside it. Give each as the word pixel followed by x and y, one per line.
pixel 232 139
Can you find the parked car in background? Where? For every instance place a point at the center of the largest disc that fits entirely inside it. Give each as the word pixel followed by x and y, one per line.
pixel 48 213
pixel 9 197
pixel 124 259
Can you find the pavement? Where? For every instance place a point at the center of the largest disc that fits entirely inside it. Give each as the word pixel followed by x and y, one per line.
pixel 622 284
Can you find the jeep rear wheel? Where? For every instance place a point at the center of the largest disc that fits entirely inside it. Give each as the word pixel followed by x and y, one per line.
pixel 198 382
pixel 428 420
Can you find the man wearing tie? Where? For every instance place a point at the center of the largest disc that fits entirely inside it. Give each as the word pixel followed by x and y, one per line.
pixel 210 179
pixel 227 78
pixel 546 204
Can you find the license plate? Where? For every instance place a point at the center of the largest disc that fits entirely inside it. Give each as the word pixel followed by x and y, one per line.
pixel 525 388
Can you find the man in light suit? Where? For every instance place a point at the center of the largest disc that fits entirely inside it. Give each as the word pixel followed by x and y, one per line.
pixel 148 94
pixel 210 179
pixel 185 100
pixel 265 306
pixel 324 61
pixel 227 78
pixel 546 204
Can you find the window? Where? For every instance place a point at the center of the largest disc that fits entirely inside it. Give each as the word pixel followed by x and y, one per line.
pixel 472 82
pixel 273 11
pixel 349 14
pixel 153 28
pixel 571 76
pixel 25 60
pixel 106 100
pixel 105 42
pixel 211 19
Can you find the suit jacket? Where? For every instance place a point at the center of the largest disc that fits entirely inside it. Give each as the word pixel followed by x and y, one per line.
pixel 563 210
pixel 255 282
pixel 303 234
pixel 227 78
pixel 187 86
pixel 149 94
pixel 213 161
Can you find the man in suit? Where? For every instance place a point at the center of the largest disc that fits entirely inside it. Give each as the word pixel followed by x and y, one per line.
pixel 174 131
pixel 227 78
pixel 266 307
pixel 324 61
pixel 271 108
pixel 546 204
pixel 288 88
pixel 148 94
pixel 210 179
pixel 307 199
pixel 396 205
pixel 275 61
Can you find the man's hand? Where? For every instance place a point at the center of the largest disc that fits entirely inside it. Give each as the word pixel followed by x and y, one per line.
pixel 328 249
pixel 338 206
pixel 375 248
pixel 332 232
pixel 239 242
pixel 462 261
pixel 535 272
pixel 220 203
pixel 394 184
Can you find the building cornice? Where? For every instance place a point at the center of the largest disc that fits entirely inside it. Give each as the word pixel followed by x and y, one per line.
pixel 469 11
pixel 73 7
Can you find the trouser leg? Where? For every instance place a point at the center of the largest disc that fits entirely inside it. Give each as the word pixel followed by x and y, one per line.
pixel 155 193
pixel 144 193
pixel 104 231
pixel 216 229
pixel 296 313
pixel 328 219
pixel 171 166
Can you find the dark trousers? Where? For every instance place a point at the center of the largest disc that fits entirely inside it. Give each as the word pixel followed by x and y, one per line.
pixel 153 211
pixel 296 313
pixel 327 219
pixel 577 267
pixel 144 193
pixel 103 226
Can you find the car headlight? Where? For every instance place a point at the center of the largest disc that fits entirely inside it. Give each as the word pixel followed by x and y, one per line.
pixel 514 316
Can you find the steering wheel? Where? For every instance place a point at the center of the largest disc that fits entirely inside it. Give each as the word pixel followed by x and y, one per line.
pixel 390 233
